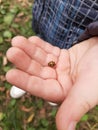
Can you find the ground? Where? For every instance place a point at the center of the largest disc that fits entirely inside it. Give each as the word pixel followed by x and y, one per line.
pixel 28 112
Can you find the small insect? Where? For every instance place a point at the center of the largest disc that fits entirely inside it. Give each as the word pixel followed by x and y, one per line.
pixel 51 64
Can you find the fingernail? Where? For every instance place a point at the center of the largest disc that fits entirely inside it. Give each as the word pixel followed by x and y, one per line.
pixel 72 126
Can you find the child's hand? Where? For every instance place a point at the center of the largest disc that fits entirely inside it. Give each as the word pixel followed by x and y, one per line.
pixel 73 81
pixel 32 58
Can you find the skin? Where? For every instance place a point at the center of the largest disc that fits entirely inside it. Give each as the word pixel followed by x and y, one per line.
pixel 73 82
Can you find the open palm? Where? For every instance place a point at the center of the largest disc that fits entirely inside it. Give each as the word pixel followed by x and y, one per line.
pixel 74 78
pixel 32 61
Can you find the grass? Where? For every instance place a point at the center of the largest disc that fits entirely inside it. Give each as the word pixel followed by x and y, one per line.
pixel 27 113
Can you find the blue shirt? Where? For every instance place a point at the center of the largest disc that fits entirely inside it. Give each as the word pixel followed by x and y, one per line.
pixel 60 22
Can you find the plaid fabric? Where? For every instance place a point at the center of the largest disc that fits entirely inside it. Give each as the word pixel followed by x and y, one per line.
pixel 60 22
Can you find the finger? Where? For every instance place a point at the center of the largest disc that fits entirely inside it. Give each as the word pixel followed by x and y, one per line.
pixel 45 45
pixel 82 97
pixel 22 61
pixel 34 51
pixel 47 89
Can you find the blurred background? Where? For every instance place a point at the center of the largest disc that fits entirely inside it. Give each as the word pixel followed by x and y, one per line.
pixel 28 112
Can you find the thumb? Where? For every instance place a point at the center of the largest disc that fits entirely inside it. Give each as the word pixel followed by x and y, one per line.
pixel 80 100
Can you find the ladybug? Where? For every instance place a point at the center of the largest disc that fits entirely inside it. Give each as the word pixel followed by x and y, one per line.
pixel 51 64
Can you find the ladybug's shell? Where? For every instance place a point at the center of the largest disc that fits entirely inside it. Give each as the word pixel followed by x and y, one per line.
pixel 51 64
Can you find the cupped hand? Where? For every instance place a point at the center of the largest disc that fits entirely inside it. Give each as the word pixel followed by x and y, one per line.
pixel 73 81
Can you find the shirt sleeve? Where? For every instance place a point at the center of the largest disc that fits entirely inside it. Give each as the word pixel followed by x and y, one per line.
pixel 90 31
